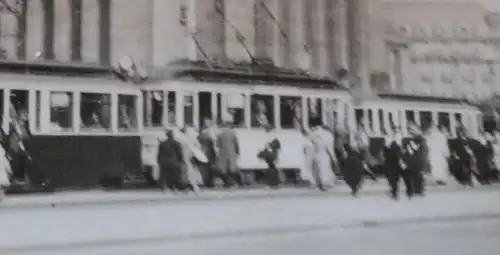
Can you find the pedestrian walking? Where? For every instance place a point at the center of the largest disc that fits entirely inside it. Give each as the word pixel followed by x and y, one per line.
pixel 270 155
pixel 193 155
pixel 463 158
pixel 306 173
pixel 414 158
pixel 228 151
pixel 353 166
pixel 207 142
pixel 170 159
pixel 483 153
pixel 438 154
pixel 394 163
pixel 324 158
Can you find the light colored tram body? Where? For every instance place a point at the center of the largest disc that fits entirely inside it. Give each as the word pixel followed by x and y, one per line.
pixel 73 154
pixel 377 114
pixel 251 139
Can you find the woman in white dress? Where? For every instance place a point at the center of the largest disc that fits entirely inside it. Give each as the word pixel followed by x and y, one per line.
pixel 5 172
pixel 324 156
pixel 306 173
pixel 438 153
pixel 189 141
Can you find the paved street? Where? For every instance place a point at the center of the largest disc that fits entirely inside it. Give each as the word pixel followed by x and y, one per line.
pixel 479 237
pixel 295 224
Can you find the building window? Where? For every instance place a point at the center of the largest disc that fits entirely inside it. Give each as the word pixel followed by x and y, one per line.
pixel 105 32
pixel 76 30
pixel 49 22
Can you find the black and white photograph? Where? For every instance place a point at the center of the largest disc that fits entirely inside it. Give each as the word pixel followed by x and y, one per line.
pixel 249 127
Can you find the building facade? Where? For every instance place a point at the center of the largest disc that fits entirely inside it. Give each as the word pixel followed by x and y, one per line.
pixel 307 34
pixel 451 51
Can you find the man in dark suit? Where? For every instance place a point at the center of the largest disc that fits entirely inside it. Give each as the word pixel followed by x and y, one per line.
pixel 463 160
pixel 415 159
pixel 170 160
pixel 394 163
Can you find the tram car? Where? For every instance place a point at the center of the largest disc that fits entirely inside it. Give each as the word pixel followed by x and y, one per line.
pixel 68 126
pixel 249 97
pixel 379 116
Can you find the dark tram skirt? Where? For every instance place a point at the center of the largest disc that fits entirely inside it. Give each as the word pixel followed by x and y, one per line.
pixel 83 161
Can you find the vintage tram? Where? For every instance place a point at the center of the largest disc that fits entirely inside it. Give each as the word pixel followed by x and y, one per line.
pixel 379 116
pixel 250 97
pixel 71 126
pixel 68 126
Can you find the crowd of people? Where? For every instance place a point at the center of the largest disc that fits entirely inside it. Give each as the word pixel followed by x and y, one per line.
pixel 188 159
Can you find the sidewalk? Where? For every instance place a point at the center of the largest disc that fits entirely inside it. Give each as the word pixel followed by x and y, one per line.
pixel 102 198
pixel 67 230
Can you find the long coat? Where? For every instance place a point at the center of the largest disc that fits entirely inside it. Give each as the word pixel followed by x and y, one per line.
pixel 354 167
pixel 439 152
pixel 228 151
pixel 323 142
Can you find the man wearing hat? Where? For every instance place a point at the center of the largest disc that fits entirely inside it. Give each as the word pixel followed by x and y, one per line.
pixel 170 159
pixel 415 157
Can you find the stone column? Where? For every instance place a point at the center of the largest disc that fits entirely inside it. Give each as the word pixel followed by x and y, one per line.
pixel 358 25
pixel 239 20
pixel 62 31
pixel 35 31
pixel 8 34
pixel 90 31
pixel 319 23
pixel 300 58
pixel 340 40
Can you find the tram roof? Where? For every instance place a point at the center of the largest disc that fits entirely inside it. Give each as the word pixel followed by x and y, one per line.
pixel 55 75
pixel 44 67
pixel 424 99
pixel 242 73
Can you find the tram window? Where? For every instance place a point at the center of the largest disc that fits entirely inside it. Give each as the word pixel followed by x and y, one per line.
pixel 291 112
pixel 38 100
pixel 370 120
pixel 410 119
pixel 127 118
pixel 392 122
pixel 153 108
pixel 458 118
pixel 189 110
pixel 205 108
pixel 1 105
pixel 171 108
pixel 95 111
pixel 19 102
pixel 61 109
pixel 381 121
pixel 426 120
pixel 359 116
pixel 444 121
pixel 234 111
pixel 315 111
pixel 262 111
